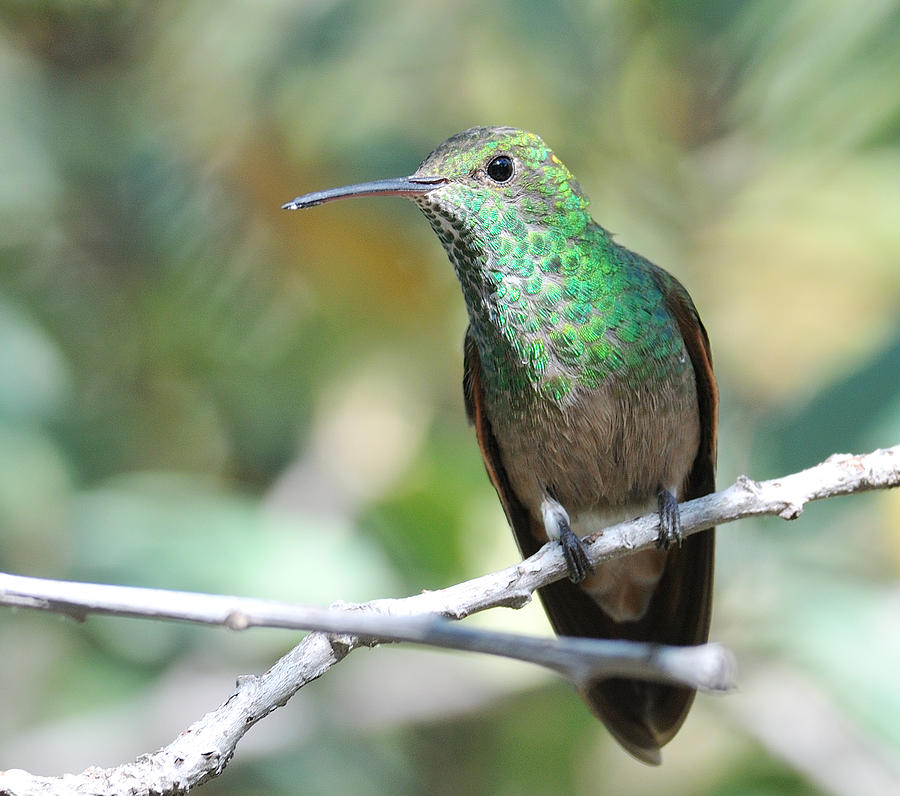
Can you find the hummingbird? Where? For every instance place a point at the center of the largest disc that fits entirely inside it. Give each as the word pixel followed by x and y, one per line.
pixel 588 377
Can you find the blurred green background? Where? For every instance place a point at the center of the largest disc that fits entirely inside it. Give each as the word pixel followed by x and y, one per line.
pixel 200 391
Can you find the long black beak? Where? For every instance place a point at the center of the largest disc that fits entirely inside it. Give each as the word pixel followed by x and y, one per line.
pixel 400 186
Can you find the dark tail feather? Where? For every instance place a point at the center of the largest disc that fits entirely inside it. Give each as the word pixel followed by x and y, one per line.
pixel 624 706
pixel 636 715
pixel 644 716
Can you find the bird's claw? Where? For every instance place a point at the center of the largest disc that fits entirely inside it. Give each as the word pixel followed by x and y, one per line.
pixel 557 525
pixel 577 562
pixel 669 521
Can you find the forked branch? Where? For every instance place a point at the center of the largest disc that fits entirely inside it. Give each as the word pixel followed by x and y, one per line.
pixel 202 750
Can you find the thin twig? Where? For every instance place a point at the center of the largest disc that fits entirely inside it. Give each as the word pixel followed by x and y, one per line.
pixel 580 660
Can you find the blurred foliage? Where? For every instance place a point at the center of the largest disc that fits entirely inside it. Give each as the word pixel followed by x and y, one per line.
pixel 200 391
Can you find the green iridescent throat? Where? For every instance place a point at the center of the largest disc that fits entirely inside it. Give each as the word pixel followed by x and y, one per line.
pixel 554 304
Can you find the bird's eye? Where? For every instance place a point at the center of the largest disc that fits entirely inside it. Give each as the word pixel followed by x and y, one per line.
pixel 500 169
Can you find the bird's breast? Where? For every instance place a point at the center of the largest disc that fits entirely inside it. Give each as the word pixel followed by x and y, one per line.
pixel 604 458
pixel 607 449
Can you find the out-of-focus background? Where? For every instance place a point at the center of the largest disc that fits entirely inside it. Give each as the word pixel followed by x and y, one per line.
pixel 200 391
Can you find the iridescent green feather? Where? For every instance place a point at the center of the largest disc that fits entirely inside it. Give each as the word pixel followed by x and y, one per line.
pixel 555 305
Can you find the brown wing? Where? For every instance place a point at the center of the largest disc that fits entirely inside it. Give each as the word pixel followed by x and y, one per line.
pixel 642 716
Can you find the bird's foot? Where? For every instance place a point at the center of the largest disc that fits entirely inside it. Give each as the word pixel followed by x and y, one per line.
pixel 556 523
pixel 669 520
pixel 577 562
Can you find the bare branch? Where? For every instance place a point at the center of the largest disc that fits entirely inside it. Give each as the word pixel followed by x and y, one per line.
pixel 202 750
pixel 580 660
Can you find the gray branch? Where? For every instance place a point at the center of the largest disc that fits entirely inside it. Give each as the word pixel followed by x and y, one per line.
pixel 203 749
